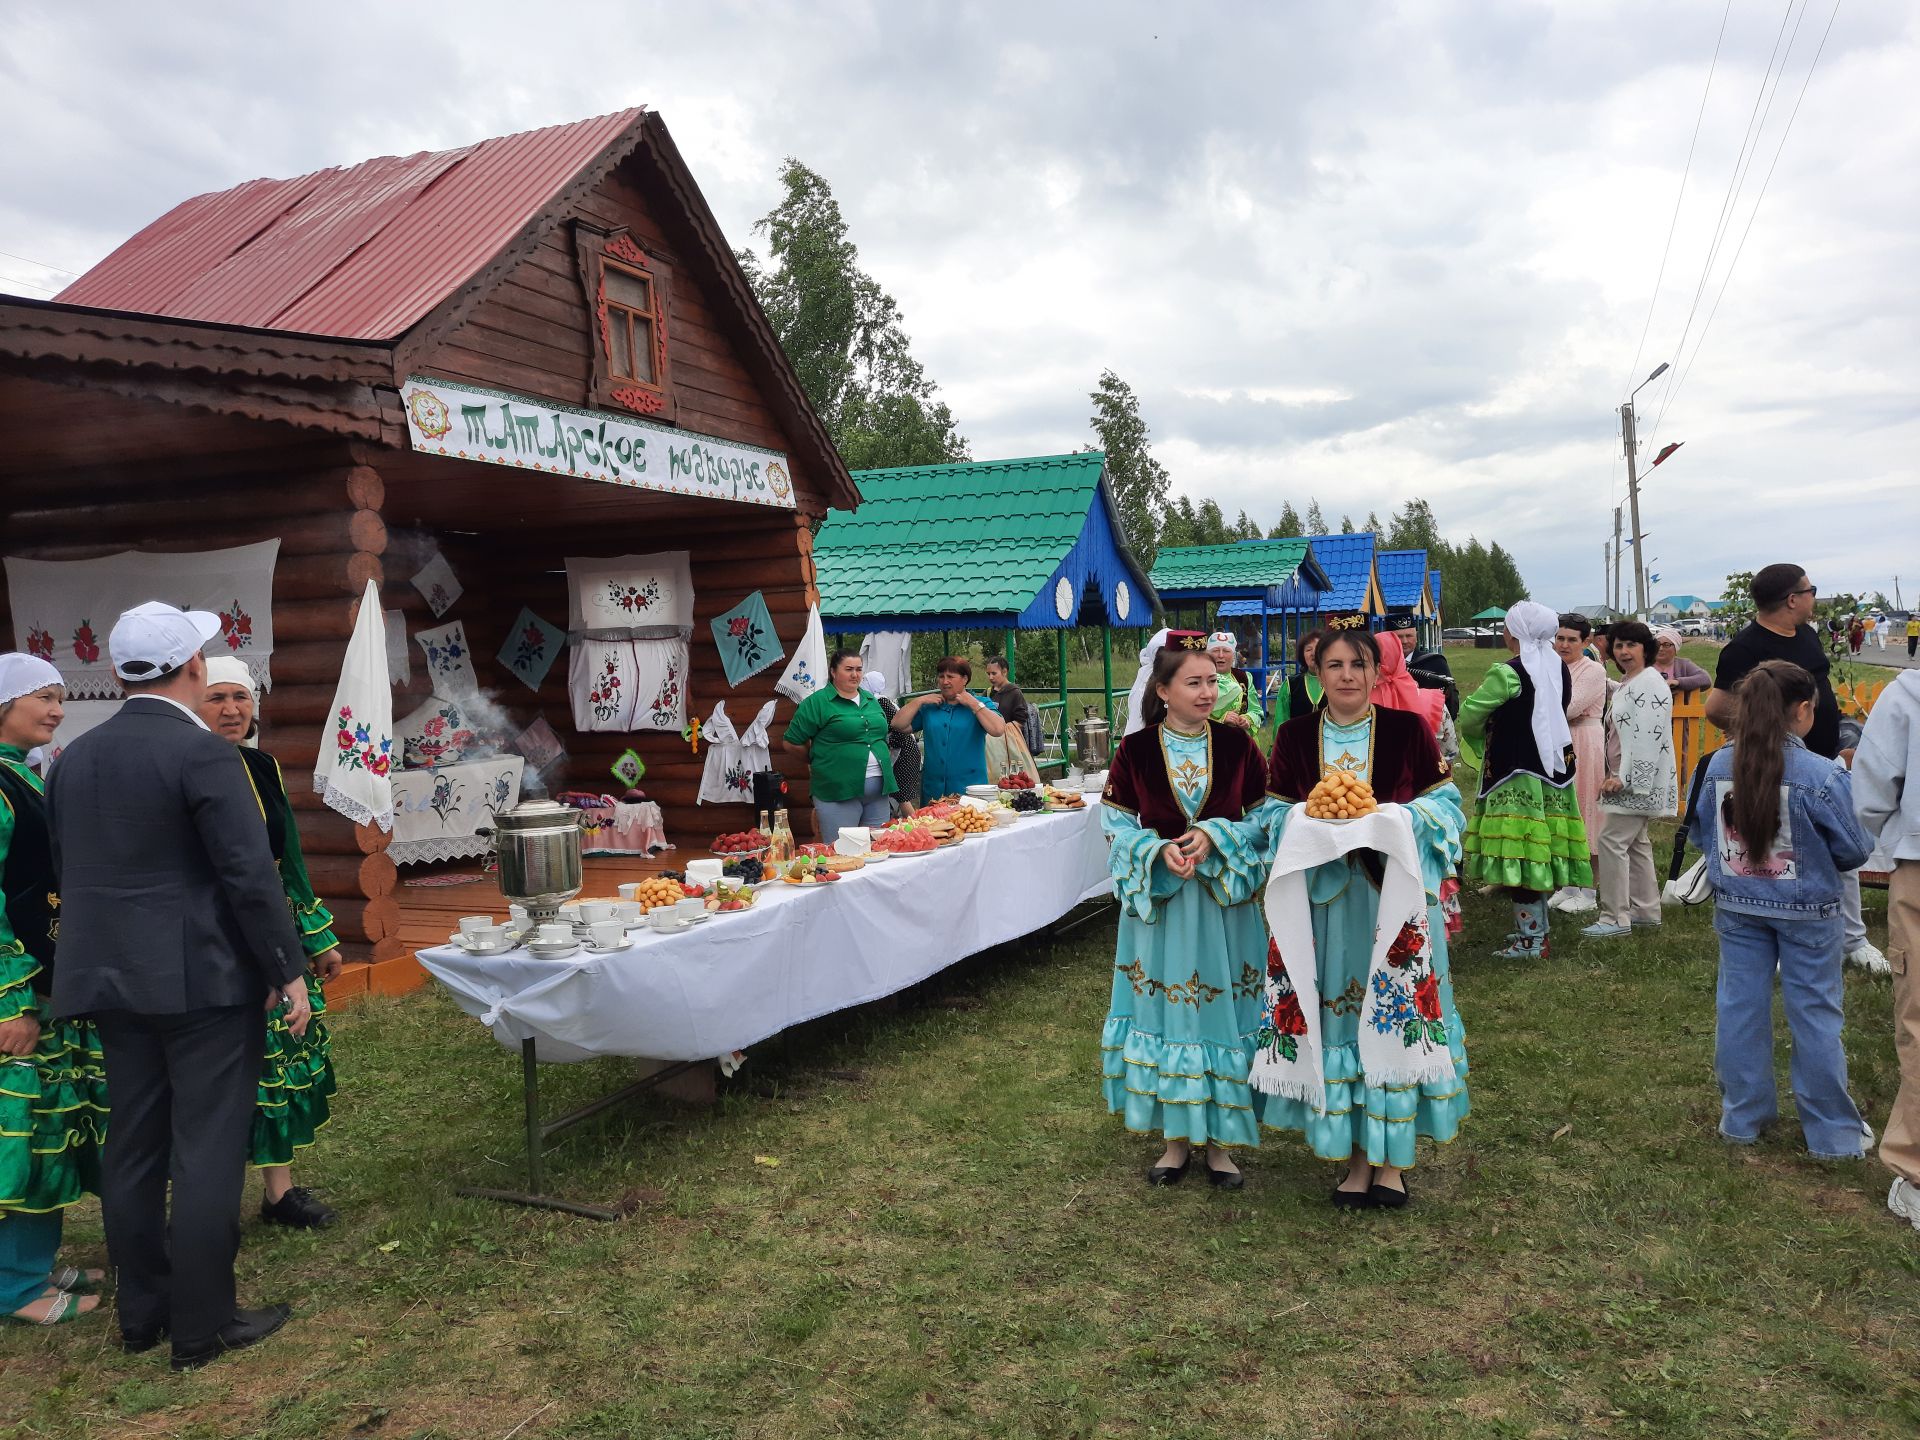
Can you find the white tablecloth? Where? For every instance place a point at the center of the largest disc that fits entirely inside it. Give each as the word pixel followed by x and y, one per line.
pixel 799 953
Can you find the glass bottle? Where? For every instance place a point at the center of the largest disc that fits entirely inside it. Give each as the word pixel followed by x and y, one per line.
pixel 782 836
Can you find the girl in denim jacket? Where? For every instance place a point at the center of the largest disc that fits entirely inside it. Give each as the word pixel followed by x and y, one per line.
pixel 1776 824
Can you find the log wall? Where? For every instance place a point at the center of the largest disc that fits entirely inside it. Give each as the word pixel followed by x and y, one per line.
pixel 324 507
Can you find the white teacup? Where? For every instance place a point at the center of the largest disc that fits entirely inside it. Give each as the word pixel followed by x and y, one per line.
pixel 517 913
pixel 471 923
pixel 592 912
pixel 607 934
pixel 554 933
pixel 630 892
pixel 629 912
pixel 690 908
pixel 486 937
pixel 569 912
pixel 663 919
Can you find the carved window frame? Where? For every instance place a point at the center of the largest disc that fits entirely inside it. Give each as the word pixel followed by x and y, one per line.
pixel 594 250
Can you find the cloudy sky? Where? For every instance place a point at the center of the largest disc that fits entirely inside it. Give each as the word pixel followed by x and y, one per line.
pixel 1355 251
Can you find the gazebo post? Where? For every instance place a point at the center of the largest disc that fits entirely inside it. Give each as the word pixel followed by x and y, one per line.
pixel 1011 650
pixel 1061 648
pixel 1106 671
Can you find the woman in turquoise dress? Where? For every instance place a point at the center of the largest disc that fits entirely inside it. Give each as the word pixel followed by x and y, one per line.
pixel 53 1086
pixel 1371 1127
pixel 1182 812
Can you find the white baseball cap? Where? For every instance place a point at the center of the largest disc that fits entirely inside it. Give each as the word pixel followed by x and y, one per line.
pixel 152 639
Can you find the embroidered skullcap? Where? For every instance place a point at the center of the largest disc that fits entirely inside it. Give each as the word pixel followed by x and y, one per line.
pixel 1187 642
pixel 225 670
pixel 23 674
pixel 1222 639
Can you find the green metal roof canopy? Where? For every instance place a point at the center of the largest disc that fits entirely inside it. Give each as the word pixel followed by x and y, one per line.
pixel 1239 571
pixel 1492 612
pixel 997 544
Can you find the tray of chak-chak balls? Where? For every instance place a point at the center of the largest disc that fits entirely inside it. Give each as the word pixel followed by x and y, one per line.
pixel 1340 798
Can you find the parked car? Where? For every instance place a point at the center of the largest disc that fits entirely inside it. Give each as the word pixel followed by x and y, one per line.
pixel 1460 633
pixel 1695 627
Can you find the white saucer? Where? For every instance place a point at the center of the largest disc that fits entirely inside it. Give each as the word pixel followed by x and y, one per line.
pixel 593 949
pixel 459 943
pixel 553 952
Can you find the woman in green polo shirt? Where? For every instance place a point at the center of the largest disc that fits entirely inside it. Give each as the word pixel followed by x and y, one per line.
pixel 843 735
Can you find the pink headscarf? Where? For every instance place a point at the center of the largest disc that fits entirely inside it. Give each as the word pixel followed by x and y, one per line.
pixel 1396 689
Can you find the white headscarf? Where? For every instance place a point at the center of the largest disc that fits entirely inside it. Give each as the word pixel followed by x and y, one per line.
pixel 23 674
pixel 225 670
pixel 1533 625
pixel 1137 696
pixel 874 683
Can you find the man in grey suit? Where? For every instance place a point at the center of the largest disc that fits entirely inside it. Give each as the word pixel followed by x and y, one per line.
pixel 175 939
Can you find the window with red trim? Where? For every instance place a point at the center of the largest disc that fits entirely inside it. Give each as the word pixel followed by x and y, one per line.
pixel 633 323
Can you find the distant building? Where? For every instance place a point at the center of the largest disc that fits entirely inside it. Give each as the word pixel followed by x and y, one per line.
pixel 1680 607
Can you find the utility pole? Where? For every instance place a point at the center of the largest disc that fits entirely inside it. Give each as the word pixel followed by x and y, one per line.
pixel 1613 595
pixel 1633 502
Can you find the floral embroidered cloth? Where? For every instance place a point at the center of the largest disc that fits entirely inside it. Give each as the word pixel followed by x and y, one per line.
pixel 733 756
pixel 745 639
pixel 438 733
pixel 539 744
pixel 630 597
pixel 622 827
pixel 532 647
pixel 449 661
pixel 436 812
pixel 806 672
pixel 1402 1040
pixel 63 609
pixel 353 771
pixel 628 684
pixel 436 581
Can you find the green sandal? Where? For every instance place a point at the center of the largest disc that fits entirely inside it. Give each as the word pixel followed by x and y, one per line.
pixel 65 1307
pixel 76 1281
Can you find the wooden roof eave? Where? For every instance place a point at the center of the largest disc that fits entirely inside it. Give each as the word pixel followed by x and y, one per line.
pixel 766 358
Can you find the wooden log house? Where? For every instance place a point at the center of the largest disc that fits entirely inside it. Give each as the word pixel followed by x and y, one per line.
pixel 237 371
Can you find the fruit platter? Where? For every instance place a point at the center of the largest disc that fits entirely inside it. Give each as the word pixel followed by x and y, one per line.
pixel 740 842
pixel 1017 780
pixel 1341 795
pixel 810 870
pixel 745 869
pixel 726 899
pixel 1025 801
pixel 914 837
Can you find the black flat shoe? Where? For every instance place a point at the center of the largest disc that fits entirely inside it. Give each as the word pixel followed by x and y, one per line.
pixel 298 1209
pixel 1168 1174
pixel 1225 1179
pixel 1353 1199
pixel 138 1342
pixel 1383 1198
pixel 248 1327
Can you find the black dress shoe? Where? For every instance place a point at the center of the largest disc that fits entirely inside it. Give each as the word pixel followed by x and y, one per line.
pixel 298 1209
pixel 1168 1174
pixel 1353 1199
pixel 1383 1198
pixel 1225 1179
pixel 248 1327
pixel 138 1342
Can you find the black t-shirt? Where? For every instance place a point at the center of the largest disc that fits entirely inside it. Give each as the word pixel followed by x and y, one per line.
pixel 1803 648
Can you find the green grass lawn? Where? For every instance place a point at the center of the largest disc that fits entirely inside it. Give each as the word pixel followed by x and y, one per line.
pixel 916 1221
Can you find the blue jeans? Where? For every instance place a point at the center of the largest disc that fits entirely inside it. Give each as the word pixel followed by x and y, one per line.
pixel 1806 949
pixel 870 809
pixel 28 1244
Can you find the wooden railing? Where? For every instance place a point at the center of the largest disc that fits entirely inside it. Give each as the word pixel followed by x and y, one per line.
pixel 1694 739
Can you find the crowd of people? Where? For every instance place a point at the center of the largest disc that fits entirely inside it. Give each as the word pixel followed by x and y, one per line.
pixel 1224 1022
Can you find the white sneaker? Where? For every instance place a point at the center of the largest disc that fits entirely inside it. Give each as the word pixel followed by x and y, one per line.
pixel 1869 959
pixel 1904 1200
pixel 1582 901
pixel 1558 900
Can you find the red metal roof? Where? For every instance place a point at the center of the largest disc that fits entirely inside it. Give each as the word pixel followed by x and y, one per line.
pixel 361 253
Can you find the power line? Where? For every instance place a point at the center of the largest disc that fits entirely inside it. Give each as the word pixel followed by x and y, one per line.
pixel 29 284
pixel 1758 199
pixel 24 260
pixel 1735 182
pixel 1654 299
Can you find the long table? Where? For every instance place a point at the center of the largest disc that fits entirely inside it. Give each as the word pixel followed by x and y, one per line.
pixel 799 953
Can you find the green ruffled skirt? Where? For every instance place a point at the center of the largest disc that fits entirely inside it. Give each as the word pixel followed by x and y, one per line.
pixel 53 1120
pixel 1527 835
pixel 296 1084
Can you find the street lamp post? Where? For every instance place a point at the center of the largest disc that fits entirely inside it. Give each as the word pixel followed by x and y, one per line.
pixel 1631 442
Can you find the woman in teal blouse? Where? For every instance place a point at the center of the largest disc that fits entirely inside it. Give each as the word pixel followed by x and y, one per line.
pixel 842 732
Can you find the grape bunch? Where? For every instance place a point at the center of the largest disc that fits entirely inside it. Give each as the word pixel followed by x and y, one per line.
pixel 749 870
pixel 1028 800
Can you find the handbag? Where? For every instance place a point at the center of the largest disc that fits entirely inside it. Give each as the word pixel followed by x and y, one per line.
pixel 1691 886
